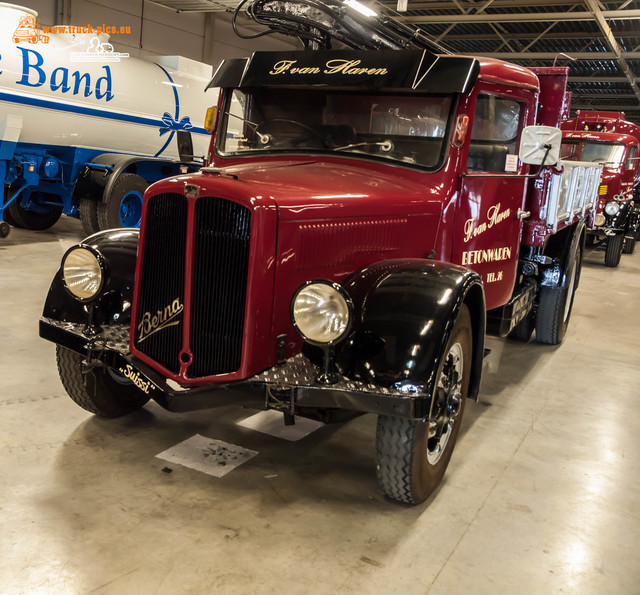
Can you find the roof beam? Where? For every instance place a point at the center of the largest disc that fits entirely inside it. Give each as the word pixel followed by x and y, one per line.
pixel 602 96
pixel 525 36
pixel 615 46
pixel 598 79
pixel 538 17
pixel 448 5
pixel 551 55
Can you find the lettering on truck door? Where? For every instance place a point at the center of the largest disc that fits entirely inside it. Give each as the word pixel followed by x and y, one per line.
pixel 487 228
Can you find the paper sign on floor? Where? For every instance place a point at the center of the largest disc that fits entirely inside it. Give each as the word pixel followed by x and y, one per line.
pixel 209 456
pixel 272 423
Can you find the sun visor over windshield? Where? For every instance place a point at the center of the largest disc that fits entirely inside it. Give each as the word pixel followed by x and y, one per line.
pixel 413 70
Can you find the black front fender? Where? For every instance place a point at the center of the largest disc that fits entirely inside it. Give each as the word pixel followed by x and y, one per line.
pixel 118 248
pixel 405 311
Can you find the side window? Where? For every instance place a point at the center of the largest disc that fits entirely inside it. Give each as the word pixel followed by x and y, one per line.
pixel 494 136
pixel 630 162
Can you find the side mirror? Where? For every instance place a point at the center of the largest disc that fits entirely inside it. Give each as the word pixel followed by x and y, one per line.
pixel 540 145
pixel 185 145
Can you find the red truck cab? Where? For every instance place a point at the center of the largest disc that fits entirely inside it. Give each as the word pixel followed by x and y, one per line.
pixel 605 137
pixel 363 219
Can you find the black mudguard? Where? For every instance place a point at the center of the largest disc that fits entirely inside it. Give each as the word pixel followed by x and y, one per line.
pixel 118 248
pixel 96 179
pixel 623 220
pixel 561 247
pixel 405 311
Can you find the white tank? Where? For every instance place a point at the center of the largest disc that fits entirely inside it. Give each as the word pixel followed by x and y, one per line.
pixel 74 90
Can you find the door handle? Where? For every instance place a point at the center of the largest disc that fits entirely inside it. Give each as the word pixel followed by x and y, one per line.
pixel 523 214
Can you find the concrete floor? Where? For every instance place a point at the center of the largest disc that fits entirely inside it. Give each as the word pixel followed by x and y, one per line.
pixel 542 494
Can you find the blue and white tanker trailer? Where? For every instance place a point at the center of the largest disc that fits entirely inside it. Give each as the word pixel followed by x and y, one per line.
pixel 84 130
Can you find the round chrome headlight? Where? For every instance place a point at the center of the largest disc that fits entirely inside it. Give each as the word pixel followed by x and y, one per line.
pixel 321 312
pixel 611 208
pixel 82 273
pixel 600 220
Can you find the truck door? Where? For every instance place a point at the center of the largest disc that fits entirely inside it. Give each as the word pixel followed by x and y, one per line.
pixel 492 192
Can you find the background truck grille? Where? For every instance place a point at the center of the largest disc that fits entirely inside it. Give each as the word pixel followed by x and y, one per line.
pixel 219 268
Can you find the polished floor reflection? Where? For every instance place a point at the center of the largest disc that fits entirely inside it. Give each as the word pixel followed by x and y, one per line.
pixel 541 495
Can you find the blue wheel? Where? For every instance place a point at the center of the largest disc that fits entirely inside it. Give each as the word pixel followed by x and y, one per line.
pixel 131 209
pixel 123 206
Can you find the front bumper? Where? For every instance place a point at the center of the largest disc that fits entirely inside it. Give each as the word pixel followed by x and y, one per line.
pixel 289 387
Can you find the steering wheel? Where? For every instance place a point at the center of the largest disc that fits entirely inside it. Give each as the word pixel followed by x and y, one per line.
pixel 313 132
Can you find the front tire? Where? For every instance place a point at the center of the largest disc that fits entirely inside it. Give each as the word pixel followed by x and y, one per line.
pixel 614 250
pixel 123 206
pixel 99 390
pixel 412 455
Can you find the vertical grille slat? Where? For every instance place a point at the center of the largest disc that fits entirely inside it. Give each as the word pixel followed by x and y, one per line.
pixel 162 282
pixel 220 270
pixel 220 284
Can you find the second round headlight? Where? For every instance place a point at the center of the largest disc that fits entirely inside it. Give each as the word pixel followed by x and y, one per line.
pixel 321 312
pixel 82 273
pixel 611 208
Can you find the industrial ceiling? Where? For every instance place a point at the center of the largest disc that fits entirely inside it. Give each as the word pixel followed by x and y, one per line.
pixel 598 40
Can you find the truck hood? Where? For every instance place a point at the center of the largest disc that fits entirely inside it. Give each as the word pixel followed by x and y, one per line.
pixel 306 189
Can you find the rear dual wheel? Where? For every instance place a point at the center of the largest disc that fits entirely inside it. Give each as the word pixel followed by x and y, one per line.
pixel 123 206
pixel 42 214
pixel 555 304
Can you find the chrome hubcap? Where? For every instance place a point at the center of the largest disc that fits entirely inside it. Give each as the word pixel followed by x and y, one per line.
pixel 446 405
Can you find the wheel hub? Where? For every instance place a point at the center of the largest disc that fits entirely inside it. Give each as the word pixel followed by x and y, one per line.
pixel 447 403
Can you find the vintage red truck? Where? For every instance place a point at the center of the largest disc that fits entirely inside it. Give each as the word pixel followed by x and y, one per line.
pixel 607 138
pixel 363 219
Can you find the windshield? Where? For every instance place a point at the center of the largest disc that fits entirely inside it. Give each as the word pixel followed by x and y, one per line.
pixel 406 129
pixel 609 154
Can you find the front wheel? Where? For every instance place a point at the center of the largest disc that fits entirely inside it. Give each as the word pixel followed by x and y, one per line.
pixel 123 206
pixel 614 250
pixel 100 390
pixel 412 455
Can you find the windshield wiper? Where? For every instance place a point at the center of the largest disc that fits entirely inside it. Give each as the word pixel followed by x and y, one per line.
pixel 264 138
pixel 385 146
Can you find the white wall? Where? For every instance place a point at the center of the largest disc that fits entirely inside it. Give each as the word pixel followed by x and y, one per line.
pixel 206 37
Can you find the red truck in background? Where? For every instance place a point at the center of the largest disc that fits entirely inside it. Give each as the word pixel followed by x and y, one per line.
pixel 607 138
pixel 363 219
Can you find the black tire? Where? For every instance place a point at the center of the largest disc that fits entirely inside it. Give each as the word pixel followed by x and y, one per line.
pixel 524 329
pixel 6 216
pixel 88 210
pixel 36 221
pixel 5 229
pixel 101 390
pixel 410 465
pixel 629 244
pixel 614 251
pixel 123 206
pixel 554 307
